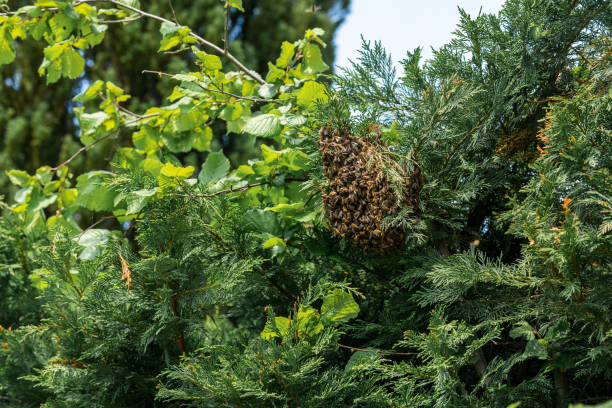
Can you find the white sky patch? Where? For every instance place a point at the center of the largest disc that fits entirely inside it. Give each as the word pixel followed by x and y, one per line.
pixel 403 25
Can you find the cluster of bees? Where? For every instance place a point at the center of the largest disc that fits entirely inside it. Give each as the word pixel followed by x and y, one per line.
pixel 359 196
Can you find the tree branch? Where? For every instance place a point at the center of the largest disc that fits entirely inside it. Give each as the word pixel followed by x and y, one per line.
pixel 235 190
pixel 219 91
pixel 201 40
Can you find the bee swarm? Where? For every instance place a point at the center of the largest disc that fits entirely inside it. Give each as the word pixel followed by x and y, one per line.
pixel 359 196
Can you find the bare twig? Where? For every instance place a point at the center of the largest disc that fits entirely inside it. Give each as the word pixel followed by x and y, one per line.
pixel 219 91
pixel 235 189
pixel 226 28
pixel 123 20
pixel 173 13
pixel 384 353
pixel 95 224
pixel 82 149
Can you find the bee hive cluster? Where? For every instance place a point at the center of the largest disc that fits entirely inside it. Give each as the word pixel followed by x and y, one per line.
pixel 359 196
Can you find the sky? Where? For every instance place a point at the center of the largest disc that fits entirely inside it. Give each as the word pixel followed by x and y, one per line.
pixel 403 25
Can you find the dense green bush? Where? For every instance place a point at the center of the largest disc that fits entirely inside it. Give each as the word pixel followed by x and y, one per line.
pixel 224 286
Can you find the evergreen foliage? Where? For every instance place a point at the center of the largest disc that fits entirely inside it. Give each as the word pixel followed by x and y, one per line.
pixel 222 285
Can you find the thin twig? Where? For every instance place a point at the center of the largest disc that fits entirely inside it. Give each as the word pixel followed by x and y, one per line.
pixel 95 224
pixel 384 353
pixel 235 189
pixel 173 13
pixel 225 35
pixel 219 91
pixel 201 40
pixel 123 20
pixel 82 149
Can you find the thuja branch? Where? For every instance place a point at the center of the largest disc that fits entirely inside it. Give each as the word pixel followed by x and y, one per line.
pixel 200 39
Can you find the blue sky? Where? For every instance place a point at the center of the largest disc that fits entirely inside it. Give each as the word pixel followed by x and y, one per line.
pixel 403 25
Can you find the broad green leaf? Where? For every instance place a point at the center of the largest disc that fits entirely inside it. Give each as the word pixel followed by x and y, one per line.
pixel 93 192
pixel 72 64
pixel 90 121
pixel 308 322
pixel 7 53
pixel 38 202
pixel 146 138
pixel 313 60
pixel 61 26
pixel 280 326
pixel 311 93
pixel 185 121
pixel 262 221
pixel 203 139
pixel 214 168
pixel 267 91
pixel 287 209
pixel 92 240
pixel 274 73
pixel 263 125
pixel 90 93
pixel 276 244
pixel 361 358
pixel 18 177
pixel 209 62
pixel 536 348
pixel 136 200
pixel 180 172
pixel 339 306
pixel 287 52
pixel 522 329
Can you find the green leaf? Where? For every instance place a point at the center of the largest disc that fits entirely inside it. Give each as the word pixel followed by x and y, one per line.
pixel 311 93
pixel 268 91
pixel 276 244
pixel 93 192
pixel 203 139
pixel 180 172
pixel 7 53
pixel 72 64
pixel 214 168
pixel 287 52
pixel 61 26
pixel 308 322
pixel 92 240
pixel 313 60
pixel 536 348
pixel 274 73
pixel 209 62
pixel 136 200
pixel 263 125
pixel 18 177
pixel 262 221
pixel 339 306
pixel 362 358
pixel 279 327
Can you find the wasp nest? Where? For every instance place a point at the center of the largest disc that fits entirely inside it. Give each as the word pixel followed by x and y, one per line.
pixel 359 194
